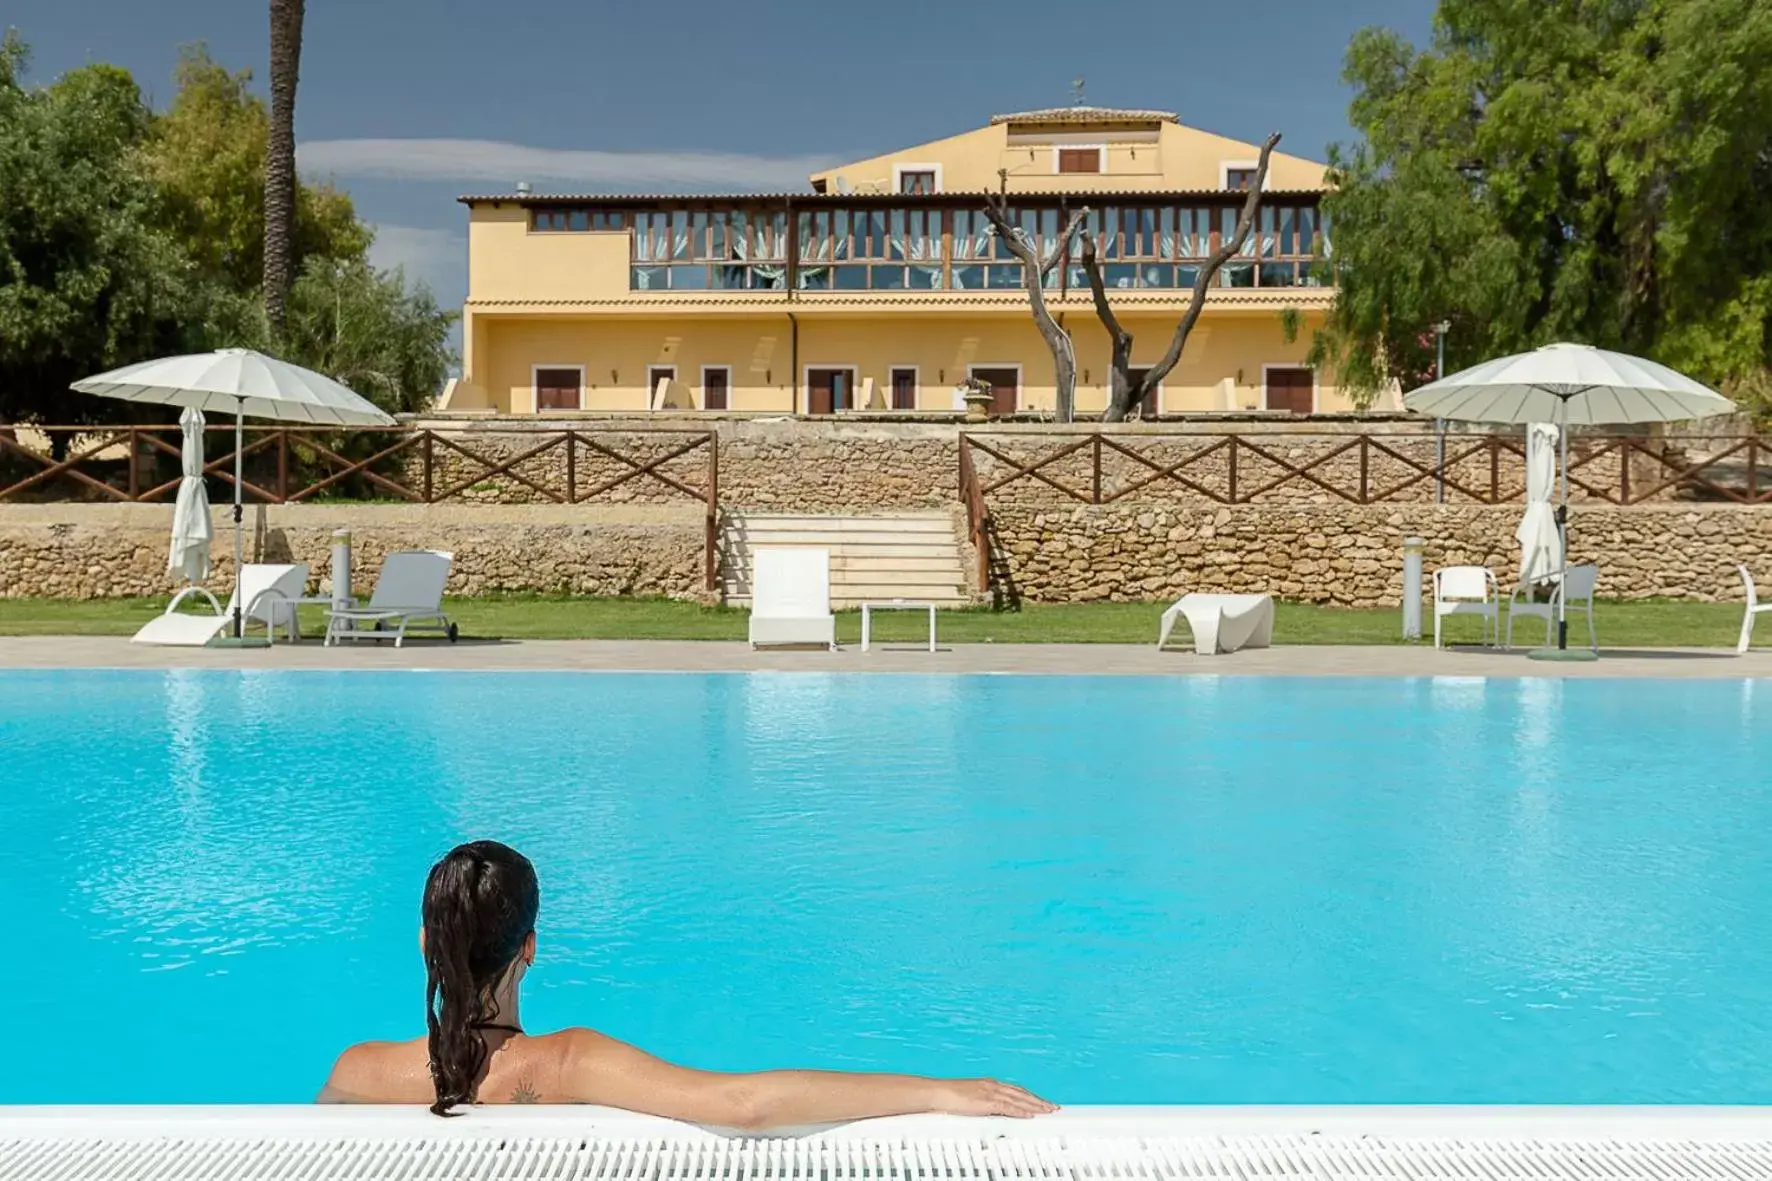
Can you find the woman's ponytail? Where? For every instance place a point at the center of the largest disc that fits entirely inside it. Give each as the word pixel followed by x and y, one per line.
pixel 479 907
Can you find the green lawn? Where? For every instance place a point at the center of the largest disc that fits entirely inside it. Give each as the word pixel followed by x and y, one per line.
pixel 1622 625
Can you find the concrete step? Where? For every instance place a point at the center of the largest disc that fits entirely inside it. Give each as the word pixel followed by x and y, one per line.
pixel 833 538
pixel 912 519
pixel 864 554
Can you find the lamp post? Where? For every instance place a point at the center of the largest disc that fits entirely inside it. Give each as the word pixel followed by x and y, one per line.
pixel 1440 330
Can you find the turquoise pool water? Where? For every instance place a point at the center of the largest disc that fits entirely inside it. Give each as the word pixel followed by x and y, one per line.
pixel 1115 890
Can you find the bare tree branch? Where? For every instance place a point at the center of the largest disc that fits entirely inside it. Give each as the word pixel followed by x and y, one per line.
pixel 1135 392
pixel 1034 270
pixel 1120 366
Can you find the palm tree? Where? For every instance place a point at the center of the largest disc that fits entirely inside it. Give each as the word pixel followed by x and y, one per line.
pixel 286 18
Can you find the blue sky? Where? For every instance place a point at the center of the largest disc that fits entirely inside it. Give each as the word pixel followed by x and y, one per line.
pixel 409 103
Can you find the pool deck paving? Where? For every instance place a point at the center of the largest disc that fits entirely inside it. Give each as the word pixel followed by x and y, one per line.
pixel 1042 659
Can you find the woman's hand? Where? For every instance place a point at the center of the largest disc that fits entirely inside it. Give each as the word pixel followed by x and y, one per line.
pixel 987 1096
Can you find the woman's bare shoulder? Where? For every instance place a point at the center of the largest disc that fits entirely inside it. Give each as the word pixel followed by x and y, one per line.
pixel 380 1072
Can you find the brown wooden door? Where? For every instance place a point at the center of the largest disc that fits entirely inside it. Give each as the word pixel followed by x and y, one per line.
pixel 1005 388
pixel 556 389
pixel 904 389
pixel 713 388
pixel 1291 390
pixel 829 390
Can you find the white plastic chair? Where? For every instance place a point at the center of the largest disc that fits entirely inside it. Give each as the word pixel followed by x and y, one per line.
pixel 1580 581
pixel 1754 607
pixel 269 593
pixel 408 593
pixel 1467 590
pixel 791 596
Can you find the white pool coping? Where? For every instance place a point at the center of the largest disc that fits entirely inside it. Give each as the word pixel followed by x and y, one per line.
pixel 1079 1144
pixel 1620 1123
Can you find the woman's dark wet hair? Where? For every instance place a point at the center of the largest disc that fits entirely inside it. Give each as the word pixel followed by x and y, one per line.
pixel 479 908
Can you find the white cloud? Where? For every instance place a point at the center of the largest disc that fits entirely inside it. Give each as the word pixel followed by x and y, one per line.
pixel 504 164
pixel 436 258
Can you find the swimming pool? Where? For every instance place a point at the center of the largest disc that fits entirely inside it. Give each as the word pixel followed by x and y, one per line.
pixel 1115 890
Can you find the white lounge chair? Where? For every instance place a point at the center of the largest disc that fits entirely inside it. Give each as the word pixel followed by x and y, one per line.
pixel 1467 590
pixel 1221 623
pixel 1754 607
pixel 270 594
pixel 408 594
pixel 791 596
pixel 1580 583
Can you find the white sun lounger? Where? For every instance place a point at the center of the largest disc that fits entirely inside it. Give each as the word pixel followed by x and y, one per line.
pixel 1221 623
pixel 791 596
pixel 408 594
pixel 270 595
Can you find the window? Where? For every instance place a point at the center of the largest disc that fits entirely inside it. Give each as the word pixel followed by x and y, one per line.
pixel 716 381
pixel 919 181
pixel 577 219
pixel 709 250
pixel 1239 180
pixel 870 249
pixel 904 387
pixel 1079 159
pixel 557 387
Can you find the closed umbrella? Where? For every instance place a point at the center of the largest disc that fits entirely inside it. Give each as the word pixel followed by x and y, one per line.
pixel 245 384
pixel 1541 543
pixel 192 529
pixel 1567 385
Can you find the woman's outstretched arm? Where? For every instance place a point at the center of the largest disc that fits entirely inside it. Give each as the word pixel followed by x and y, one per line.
pixel 601 1070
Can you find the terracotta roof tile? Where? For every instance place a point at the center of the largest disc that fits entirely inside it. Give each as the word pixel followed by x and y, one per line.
pixel 1064 115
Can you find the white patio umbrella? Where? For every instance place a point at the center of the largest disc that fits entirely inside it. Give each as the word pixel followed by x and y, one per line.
pixel 192 529
pixel 1541 543
pixel 1567 385
pixel 245 384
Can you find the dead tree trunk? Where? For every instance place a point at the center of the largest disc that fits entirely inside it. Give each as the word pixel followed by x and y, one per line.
pixel 1125 392
pixel 1034 270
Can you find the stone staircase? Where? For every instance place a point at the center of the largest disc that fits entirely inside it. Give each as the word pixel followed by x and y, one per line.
pixel 904 555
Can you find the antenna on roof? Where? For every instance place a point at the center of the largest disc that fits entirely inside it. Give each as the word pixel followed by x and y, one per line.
pixel 1077 91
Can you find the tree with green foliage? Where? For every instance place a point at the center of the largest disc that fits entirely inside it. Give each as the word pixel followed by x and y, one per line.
pixel 127 235
pixel 365 328
pixel 207 156
pixel 89 278
pixel 1588 170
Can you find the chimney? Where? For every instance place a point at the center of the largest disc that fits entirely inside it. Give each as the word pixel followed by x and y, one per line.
pixel 522 188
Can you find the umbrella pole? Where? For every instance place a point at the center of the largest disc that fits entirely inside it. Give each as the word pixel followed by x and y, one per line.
pixel 239 516
pixel 1563 536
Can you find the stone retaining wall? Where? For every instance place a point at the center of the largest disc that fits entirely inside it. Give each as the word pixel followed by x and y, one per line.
pixel 81 551
pixel 1351 555
pixel 859 466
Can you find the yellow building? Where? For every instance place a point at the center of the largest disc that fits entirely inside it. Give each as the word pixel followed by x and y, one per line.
pixel 882 288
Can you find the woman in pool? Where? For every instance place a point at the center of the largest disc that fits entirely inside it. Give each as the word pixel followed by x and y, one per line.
pixel 479 938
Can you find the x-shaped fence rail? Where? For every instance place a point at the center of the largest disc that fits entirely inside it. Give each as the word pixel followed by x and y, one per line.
pixel 292 465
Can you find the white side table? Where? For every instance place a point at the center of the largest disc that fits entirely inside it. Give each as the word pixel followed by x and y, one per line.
pixel 868 609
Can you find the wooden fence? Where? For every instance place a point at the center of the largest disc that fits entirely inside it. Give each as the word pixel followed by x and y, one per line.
pixel 292 465
pixel 1233 469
